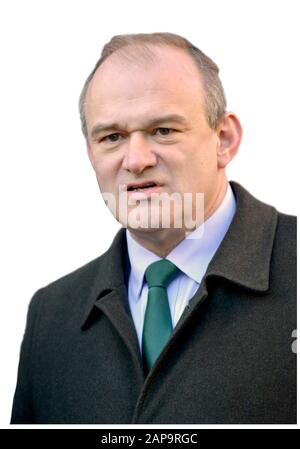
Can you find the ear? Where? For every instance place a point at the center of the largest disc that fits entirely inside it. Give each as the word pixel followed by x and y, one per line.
pixel 230 135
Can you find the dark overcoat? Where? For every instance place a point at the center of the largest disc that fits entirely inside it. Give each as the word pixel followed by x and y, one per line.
pixel 230 358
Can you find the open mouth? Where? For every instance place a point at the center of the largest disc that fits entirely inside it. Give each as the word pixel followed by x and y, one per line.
pixel 141 187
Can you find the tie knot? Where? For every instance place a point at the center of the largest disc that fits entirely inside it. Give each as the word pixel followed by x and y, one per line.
pixel 161 273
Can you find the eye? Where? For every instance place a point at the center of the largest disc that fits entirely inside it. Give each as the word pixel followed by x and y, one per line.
pixel 111 138
pixel 164 131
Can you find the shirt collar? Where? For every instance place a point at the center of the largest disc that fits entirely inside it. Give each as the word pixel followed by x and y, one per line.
pixel 140 258
pixel 193 254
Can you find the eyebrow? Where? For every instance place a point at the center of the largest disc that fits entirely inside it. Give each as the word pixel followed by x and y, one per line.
pixel 101 127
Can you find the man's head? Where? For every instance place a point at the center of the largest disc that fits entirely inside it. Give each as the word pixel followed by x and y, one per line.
pixel 139 48
pixel 153 109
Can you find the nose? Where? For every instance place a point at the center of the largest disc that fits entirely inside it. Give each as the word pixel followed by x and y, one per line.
pixel 139 154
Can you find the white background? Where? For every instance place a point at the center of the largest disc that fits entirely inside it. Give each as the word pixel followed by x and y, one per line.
pixel 52 216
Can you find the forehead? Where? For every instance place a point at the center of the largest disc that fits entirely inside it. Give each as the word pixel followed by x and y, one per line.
pixel 169 79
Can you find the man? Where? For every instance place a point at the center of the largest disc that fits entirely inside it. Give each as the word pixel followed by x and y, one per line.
pixel 188 323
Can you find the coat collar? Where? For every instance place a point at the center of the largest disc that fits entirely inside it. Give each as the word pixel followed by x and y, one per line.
pixel 243 257
pixel 112 275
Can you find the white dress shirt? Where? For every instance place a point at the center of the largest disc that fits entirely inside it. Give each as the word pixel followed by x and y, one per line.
pixel 191 256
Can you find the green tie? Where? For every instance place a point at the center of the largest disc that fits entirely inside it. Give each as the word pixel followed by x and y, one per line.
pixel 158 321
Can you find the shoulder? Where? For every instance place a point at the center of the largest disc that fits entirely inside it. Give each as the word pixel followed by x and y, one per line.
pixel 287 222
pixel 253 210
pixel 72 293
pixel 76 279
pixel 283 264
pixel 285 241
pixel 67 293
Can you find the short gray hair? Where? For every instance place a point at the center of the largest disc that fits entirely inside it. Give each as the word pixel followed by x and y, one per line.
pixel 215 100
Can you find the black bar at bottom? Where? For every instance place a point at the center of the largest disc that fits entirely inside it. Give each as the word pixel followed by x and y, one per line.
pixel 143 437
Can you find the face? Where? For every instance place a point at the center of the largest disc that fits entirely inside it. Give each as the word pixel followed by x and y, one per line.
pixel 146 124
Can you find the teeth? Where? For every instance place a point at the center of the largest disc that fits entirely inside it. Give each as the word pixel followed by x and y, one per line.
pixel 142 188
pixel 139 189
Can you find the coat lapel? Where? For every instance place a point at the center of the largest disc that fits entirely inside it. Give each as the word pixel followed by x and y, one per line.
pixel 109 295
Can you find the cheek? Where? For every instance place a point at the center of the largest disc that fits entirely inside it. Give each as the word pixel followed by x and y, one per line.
pixel 174 158
pixel 204 158
pixel 106 173
pixel 195 166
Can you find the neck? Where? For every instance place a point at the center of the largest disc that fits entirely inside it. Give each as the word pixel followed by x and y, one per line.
pixel 162 241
